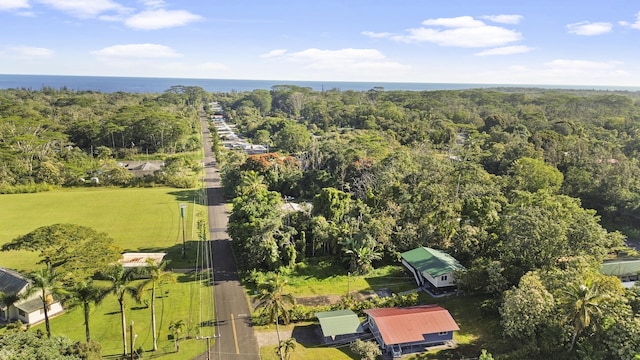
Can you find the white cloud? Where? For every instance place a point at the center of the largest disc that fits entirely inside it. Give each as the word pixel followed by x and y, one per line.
pixel 13 4
pixel 155 4
pixel 345 60
pixel 462 31
pixel 137 51
pixel 456 22
pixel 274 53
pixel 85 8
pixel 504 19
pixel 560 72
pixel 635 25
pixel 29 52
pixel 161 19
pixel 505 50
pixel 377 34
pixel 581 65
pixel 589 29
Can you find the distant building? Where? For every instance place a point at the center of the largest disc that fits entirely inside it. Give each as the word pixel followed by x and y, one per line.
pixel 142 168
pixel 626 270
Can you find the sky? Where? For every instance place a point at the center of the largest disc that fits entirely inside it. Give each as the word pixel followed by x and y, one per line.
pixel 559 42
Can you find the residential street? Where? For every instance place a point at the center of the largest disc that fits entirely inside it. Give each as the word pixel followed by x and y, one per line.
pixel 235 337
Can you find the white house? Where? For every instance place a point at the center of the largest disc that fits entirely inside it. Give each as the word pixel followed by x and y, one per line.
pixel 432 268
pixel 29 310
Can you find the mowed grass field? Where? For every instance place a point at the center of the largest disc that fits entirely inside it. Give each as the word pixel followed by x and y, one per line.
pixel 138 219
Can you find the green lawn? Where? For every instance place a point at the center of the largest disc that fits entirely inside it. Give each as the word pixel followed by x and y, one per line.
pixel 324 278
pixel 186 300
pixel 309 353
pixel 138 219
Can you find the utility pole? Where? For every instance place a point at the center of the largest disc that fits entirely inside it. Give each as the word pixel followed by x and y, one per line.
pixel 184 236
pixel 208 338
pixel 131 338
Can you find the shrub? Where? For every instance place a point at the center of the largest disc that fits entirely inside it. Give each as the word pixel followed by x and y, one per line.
pixel 367 350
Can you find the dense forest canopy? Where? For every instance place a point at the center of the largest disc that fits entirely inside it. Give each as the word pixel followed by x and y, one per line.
pixel 58 137
pixel 515 183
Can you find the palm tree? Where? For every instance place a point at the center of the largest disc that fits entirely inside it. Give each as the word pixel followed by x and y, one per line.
pixel 582 302
pixel 86 292
pixel 120 286
pixel 46 283
pixel 251 183
pixel 157 275
pixel 286 347
pixel 362 253
pixel 177 328
pixel 274 302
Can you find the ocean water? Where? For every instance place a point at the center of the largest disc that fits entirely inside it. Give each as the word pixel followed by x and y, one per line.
pixel 107 84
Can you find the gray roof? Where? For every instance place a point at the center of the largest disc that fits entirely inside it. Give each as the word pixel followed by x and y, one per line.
pixel 30 306
pixel 11 282
pixel 621 267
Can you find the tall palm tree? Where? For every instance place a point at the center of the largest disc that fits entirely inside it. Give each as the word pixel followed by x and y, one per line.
pixel 46 283
pixel 120 286
pixel 157 275
pixel 582 302
pixel 275 303
pixel 85 292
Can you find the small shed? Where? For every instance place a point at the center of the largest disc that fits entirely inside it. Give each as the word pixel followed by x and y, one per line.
pixel 130 260
pixel 339 325
pixel 432 268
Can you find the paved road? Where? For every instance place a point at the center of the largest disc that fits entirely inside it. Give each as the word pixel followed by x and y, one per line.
pixel 235 336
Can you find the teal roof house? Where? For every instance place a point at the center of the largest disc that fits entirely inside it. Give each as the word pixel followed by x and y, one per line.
pixel 339 325
pixel 432 268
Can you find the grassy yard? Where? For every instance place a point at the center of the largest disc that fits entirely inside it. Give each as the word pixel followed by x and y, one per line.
pixel 478 330
pixel 324 278
pixel 309 353
pixel 185 300
pixel 138 219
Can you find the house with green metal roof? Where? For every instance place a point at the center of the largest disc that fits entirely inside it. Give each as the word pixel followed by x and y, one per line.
pixel 339 325
pixel 627 270
pixel 432 268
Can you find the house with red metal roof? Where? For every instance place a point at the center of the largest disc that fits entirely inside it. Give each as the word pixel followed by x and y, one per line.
pixel 411 329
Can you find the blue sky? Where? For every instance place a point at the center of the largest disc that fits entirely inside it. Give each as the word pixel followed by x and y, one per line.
pixel 560 42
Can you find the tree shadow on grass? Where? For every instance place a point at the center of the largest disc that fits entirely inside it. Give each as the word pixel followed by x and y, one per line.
pixel 187 195
pixel 396 282
pixel 193 248
pixel 319 268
